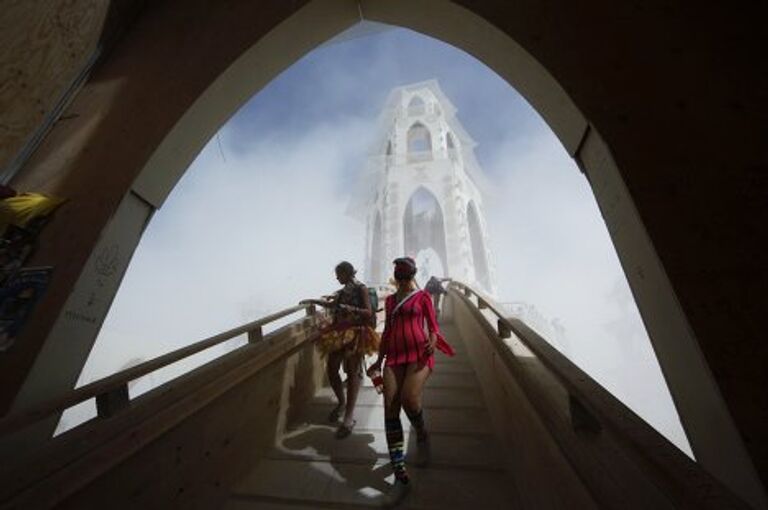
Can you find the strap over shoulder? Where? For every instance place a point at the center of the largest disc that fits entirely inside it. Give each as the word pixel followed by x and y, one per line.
pixel 407 298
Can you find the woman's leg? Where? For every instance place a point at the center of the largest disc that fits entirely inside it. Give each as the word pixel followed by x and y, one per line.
pixel 354 380
pixel 393 381
pixel 416 376
pixel 332 367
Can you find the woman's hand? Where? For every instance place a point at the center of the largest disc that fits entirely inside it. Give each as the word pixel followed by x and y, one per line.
pixel 429 349
pixel 375 366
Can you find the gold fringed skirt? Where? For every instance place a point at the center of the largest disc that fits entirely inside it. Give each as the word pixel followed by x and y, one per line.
pixel 349 338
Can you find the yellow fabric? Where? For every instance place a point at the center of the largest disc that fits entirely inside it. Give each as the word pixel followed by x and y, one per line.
pixel 19 210
pixel 361 340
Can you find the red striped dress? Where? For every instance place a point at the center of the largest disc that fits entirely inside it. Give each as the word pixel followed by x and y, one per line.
pixel 405 331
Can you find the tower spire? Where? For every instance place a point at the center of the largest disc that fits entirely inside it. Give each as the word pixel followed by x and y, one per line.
pixel 424 192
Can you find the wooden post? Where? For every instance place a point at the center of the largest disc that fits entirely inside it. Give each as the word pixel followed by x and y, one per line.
pixel 481 304
pixel 503 328
pixel 255 335
pixel 467 292
pixel 311 310
pixel 108 404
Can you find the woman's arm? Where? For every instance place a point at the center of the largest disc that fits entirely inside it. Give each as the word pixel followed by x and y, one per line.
pixel 432 326
pixel 324 301
pixel 384 336
pixel 319 302
pixel 366 310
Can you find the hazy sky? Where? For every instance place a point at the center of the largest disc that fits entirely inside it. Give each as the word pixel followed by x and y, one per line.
pixel 258 222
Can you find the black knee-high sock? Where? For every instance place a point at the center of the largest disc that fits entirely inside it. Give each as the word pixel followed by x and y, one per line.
pixel 417 420
pixel 395 444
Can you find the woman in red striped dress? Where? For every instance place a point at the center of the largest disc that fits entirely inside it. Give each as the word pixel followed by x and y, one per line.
pixel 411 335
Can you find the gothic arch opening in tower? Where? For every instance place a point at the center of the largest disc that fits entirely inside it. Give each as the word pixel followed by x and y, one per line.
pixel 482 273
pixel 450 146
pixel 424 234
pixel 376 274
pixel 417 106
pixel 315 147
pixel 449 141
pixel 419 142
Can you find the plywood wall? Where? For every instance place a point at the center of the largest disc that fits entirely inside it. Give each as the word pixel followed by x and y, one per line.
pixel 44 45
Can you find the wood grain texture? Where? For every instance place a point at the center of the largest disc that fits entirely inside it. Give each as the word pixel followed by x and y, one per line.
pixel 206 425
pixel 44 44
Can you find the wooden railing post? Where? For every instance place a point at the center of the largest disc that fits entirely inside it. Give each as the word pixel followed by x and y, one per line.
pixel 111 393
pixel 503 329
pixel 467 292
pixel 109 403
pixel 255 335
pixel 311 310
pixel 481 304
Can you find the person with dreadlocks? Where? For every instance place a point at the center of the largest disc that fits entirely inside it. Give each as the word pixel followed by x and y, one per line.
pixel 411 336
pixel 346 337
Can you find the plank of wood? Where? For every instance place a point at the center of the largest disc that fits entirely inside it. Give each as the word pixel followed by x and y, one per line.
pixel 86 459
pixel 340 483
pixel 121 379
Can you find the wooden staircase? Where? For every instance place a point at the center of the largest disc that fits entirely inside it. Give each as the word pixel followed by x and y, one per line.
pixel 310 468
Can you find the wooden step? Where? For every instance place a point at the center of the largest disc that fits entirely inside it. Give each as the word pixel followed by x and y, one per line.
pixel 440 420
pixel 460 380
pixel 321 484
pixel 457 451
pixel 432 398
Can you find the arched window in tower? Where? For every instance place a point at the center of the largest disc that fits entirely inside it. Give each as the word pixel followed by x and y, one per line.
pixel 450 145
pixel 424 234
pixel 377 247
pixel 419 143
pixel 479 259
pixel 417 106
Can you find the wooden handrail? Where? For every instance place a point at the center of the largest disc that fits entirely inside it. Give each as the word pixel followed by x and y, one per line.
pixel 111 392
pixel 592 408
pixel 553 360
pixel 596 399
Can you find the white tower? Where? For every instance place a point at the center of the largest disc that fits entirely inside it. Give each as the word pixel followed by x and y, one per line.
pixel 421 193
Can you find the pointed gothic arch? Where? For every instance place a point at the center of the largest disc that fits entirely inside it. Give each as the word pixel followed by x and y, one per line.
pixel 184 124
pixel 424 227
pixel 450 146
pixel 377 247
pixel 417 105
pixel 419 142
pixel 477 244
